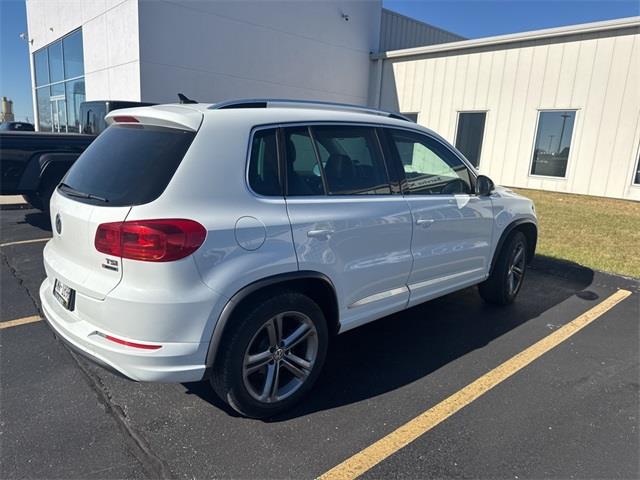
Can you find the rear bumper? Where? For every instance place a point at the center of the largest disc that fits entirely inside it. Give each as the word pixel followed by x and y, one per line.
pixel 173 362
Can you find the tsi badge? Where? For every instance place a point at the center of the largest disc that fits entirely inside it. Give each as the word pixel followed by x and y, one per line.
pixel 110 264
pixel 58 224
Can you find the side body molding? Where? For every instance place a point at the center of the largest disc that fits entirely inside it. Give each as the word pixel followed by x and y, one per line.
pixel 229 308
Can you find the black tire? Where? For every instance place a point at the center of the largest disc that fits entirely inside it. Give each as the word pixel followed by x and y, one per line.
pixel 34 200
pixel 248 328
pixel 45 192
pixel 498 288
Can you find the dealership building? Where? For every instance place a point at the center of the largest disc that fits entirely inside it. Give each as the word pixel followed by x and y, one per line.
pixel 555 109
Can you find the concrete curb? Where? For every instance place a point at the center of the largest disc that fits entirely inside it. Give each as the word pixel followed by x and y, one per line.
pixel 13 202
pixel 15 206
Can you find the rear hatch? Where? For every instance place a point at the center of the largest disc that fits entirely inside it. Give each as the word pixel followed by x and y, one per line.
pixel 130 163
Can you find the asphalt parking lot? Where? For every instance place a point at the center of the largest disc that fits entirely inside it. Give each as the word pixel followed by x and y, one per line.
pixel 571 413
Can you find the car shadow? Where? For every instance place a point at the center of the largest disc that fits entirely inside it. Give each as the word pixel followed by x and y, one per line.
pixel 399 349
pixel 39 220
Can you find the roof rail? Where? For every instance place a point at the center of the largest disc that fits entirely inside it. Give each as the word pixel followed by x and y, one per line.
pixel 287 103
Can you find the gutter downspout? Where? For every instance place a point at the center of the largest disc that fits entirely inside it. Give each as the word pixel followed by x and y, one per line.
pixel 377 85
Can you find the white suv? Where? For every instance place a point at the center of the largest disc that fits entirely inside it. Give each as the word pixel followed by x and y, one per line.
pixel 230 242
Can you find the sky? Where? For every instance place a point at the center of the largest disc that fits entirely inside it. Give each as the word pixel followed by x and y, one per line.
pixel 15 77
pixel 469 18
pixel 484 18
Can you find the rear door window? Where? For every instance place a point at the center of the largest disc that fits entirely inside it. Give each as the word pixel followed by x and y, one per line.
pixel 352 160
pixel 304 176
pixel 127 165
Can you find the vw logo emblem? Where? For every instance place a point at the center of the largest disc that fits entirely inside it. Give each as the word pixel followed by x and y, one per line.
pixel 58 224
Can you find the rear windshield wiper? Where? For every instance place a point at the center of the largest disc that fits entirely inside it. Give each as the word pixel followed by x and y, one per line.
pixel 77 193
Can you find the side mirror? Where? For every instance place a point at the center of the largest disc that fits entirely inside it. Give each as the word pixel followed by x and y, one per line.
pixel 484 185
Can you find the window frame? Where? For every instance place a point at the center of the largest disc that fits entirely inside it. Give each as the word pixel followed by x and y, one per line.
pixel 66 77
pixel 380 152
pixel 323 175
pixel 484 130
pixel 540 111
pixel 636 169
pixel 45 55
pixel 45 49
pixel 49 49
pixel 279 153
pixel 395 172
pixel 473 175
pixel 283 160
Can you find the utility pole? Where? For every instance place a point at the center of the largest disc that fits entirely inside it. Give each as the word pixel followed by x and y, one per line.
pixel 564 120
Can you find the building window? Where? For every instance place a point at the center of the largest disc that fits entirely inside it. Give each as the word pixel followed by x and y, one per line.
pixel 59 79
pixel 637 178
pixel 73 55
pixel 41 61
pixel 469 135
pixel 553 142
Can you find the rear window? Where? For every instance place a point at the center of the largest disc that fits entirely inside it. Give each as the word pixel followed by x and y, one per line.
pixel 127 165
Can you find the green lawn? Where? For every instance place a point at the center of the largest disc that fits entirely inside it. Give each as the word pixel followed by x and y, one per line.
pixel 599 233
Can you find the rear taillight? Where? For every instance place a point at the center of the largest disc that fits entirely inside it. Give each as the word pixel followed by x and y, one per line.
pixel 150 240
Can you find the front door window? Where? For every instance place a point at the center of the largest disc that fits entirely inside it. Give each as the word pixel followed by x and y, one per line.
pixel 429 167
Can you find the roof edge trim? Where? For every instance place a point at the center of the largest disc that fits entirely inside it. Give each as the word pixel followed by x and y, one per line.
pixel 607 25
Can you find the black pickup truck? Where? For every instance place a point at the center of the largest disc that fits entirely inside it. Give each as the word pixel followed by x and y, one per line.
pixel 33 163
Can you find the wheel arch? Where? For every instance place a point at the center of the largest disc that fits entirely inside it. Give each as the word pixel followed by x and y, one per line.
pixel 313 284
pixel 45 166
pixel 530 231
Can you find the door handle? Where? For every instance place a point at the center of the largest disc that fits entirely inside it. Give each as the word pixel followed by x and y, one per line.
pixel 322 234
pixel 425 222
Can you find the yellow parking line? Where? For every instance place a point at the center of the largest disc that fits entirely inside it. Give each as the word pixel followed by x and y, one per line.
pixel 369 457
pixel 20 321
pixel 22 242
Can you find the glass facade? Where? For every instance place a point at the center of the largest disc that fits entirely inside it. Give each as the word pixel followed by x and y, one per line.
pixel 59 72
pixel 553 142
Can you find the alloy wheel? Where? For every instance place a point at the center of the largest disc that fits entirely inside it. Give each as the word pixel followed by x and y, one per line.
pixel 280 357
pixel 515 273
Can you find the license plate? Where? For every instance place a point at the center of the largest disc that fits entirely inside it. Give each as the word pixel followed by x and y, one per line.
pixel 65 295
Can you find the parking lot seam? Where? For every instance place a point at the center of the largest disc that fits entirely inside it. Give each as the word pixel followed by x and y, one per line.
pixel 138 445
pixel 372 455
pixel 14 274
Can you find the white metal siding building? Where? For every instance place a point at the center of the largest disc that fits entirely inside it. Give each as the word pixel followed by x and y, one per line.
pixel 399 31
pixel 587 74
